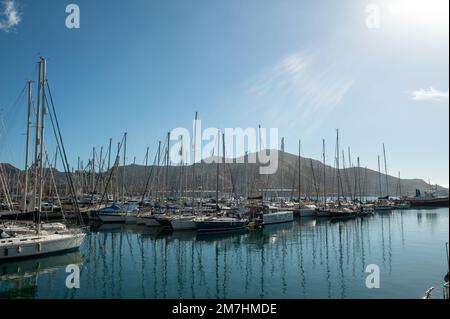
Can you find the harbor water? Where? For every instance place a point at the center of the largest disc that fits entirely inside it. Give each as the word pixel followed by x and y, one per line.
pixel 309 258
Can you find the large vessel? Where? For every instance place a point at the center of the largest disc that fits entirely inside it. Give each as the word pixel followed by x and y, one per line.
pixel 428 200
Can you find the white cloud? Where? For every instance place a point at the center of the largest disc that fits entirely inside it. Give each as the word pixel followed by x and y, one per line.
pixel 300 86
pixel 10 17
pixel 430 94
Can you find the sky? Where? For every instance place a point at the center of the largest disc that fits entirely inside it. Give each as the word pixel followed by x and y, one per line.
pixel 377 70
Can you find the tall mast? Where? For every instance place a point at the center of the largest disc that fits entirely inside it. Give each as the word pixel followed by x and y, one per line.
pixel 193 162
pixel 217 170
pixel 223 158
pixel 359 180
pixel 167 166
pixel 345 172
pixel 124 164
pixel 93 170
pixel 324 168
pixel 100 166
pixel 158 170
pixel 385 171
pixel 350 166
pixel 260 153
pixel 36 142
pixel 41 151
pixel 379 177
pixel 281 166
pixel 109 153
pixel 399 185
pixel 299 168
pixel 337 164
pixel 146 168
pixel 27 148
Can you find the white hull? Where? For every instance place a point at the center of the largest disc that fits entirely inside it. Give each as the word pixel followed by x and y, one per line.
pixel 307 212
pixel 183 223
pixel 37 245
pixel 112 218
pixel 278 217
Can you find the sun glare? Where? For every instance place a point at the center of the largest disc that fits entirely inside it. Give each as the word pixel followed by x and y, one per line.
pixel 427 15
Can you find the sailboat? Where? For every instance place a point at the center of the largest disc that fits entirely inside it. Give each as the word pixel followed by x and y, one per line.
pixel 339 210
pixel 41 238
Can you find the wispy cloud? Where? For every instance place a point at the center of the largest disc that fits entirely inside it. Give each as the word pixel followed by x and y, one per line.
pixel 10 16
pixel 300 86
pixel 430 94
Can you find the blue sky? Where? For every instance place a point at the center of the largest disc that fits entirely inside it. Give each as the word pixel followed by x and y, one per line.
pixel 305 67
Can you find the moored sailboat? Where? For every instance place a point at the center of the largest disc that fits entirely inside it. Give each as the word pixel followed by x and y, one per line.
pixel 20 241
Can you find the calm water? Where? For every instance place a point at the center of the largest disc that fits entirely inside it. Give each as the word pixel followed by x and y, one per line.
pixel 310 258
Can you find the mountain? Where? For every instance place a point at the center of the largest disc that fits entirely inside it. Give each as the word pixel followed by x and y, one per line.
pixel 241 177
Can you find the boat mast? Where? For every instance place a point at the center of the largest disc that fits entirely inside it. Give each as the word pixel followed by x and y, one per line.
pixel 259 154
pixel 193 162
pixel 217 170
pixel 146 167
pixel 167 167
pixel 359 180
pixel 299 168
pixel 124 165
pixel 158 171
pixel 281 169
pixel 351 169
pixel 93 171
pixel 324 168
pixel 27 148
pixel 337 164
pixel 223 161
pixel 36 141
pixel 379 177
pixel 41 151
pixel 385 171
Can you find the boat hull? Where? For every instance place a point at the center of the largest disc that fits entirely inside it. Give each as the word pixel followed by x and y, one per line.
pixel 214 226
pixel 36 246
pixel 112 218
pixel 130 219
pixel 183 224
pixel 437 202
pixel 151 221
pixel 307 212
pixel 277 218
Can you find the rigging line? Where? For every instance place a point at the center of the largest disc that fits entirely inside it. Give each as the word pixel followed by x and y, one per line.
pixel 19 97
pixel 64 156
pixel 116 164
pixel 150 177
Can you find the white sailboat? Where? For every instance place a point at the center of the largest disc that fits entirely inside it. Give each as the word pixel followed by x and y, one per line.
pixel 307 210
pixel 183 222
pixel 19 241
pixel 42 243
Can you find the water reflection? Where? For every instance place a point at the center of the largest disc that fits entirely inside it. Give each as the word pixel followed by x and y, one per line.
pixel 310 258
pixel 19 279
